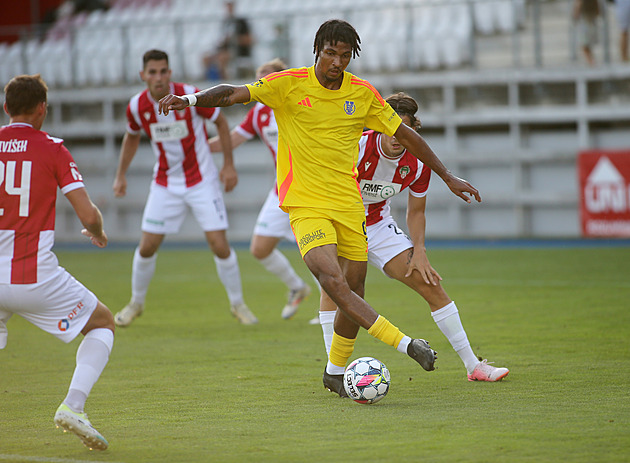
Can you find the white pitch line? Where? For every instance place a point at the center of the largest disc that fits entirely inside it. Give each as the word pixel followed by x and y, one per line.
pixel 16 458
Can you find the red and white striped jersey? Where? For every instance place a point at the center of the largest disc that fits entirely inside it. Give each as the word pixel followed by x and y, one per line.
pixel 380 177
pixel 32 166
pixel 179 139
pixel 261 121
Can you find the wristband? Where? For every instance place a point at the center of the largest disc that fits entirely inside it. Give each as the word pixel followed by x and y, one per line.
pixel 192 99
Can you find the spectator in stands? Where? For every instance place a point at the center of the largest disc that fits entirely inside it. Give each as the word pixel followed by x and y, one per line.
pixel 585 15
pixel 623 17
pixel 234 49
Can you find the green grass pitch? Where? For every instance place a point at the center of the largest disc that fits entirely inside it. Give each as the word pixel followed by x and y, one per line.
pixel 187 383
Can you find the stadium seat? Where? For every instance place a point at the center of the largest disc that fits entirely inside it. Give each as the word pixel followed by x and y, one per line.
pixel 304 28
pixel 367 23
pixel 422 48
pixel 391 40
pixel 13 64
pixel 432 43
pixel 4 50
pixel 510 15
pixel 41 61
pixel 31 53
pixel 263 29
pixel 483 11
pixel 61 60
pixel 456 41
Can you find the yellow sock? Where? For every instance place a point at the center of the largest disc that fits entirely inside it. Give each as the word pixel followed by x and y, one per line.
pixel 340 350
pixel 382 329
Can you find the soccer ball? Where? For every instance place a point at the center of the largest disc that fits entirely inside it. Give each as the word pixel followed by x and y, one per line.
pixel 366 380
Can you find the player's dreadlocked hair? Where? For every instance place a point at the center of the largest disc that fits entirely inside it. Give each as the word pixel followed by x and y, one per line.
pixel 404 105
pixel 336 30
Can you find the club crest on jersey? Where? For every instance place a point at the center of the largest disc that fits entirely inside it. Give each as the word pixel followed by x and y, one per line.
pixel 349 107
pixel 147 115
pixel 403 171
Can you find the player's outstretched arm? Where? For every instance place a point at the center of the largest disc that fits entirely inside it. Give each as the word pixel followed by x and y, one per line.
pixel 89 215
pixel 220 95
pixel 416 145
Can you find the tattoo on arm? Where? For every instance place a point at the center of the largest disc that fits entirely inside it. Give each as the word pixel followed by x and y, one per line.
pixel 216 96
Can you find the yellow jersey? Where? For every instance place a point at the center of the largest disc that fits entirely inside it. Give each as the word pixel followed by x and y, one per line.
pixel 319 131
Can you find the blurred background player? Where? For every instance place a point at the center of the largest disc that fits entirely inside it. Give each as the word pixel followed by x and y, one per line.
pixel 184 176
pixel 385 165
pixel 321 112
pixel 32 284
pixel 272 224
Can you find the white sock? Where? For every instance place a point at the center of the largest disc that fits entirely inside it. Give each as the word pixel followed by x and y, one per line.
pixel 92 356
pixel 230 276
pixel 447 319
pixel 327 320
pixel 279 265
pixel 334 369
pixel 403 344
pixel 141 274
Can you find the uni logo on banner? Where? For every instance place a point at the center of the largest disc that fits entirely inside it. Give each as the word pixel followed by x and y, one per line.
pixel 605 193
pixel 606 189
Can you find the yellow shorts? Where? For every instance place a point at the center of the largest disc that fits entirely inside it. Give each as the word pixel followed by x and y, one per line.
pixel 316 227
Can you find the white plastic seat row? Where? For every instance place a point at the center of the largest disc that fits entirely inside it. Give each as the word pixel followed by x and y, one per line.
pixel 441 35
pixel 109 44
pixel 492 16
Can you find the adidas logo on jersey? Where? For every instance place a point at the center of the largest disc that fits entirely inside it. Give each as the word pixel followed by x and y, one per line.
pixel 305 102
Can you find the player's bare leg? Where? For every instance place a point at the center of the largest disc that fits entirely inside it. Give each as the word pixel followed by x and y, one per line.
pixel 323 262
pixel 263 248
pixel 92 356
pixel 230 275
pixel 143 269
pixel 446 316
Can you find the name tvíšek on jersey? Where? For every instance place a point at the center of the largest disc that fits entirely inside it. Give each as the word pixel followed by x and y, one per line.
pixel 13 146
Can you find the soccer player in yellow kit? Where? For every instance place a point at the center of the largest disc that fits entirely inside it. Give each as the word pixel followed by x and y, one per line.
pixel 321 112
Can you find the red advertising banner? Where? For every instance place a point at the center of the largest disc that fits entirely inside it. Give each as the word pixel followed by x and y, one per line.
pixel 604 193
